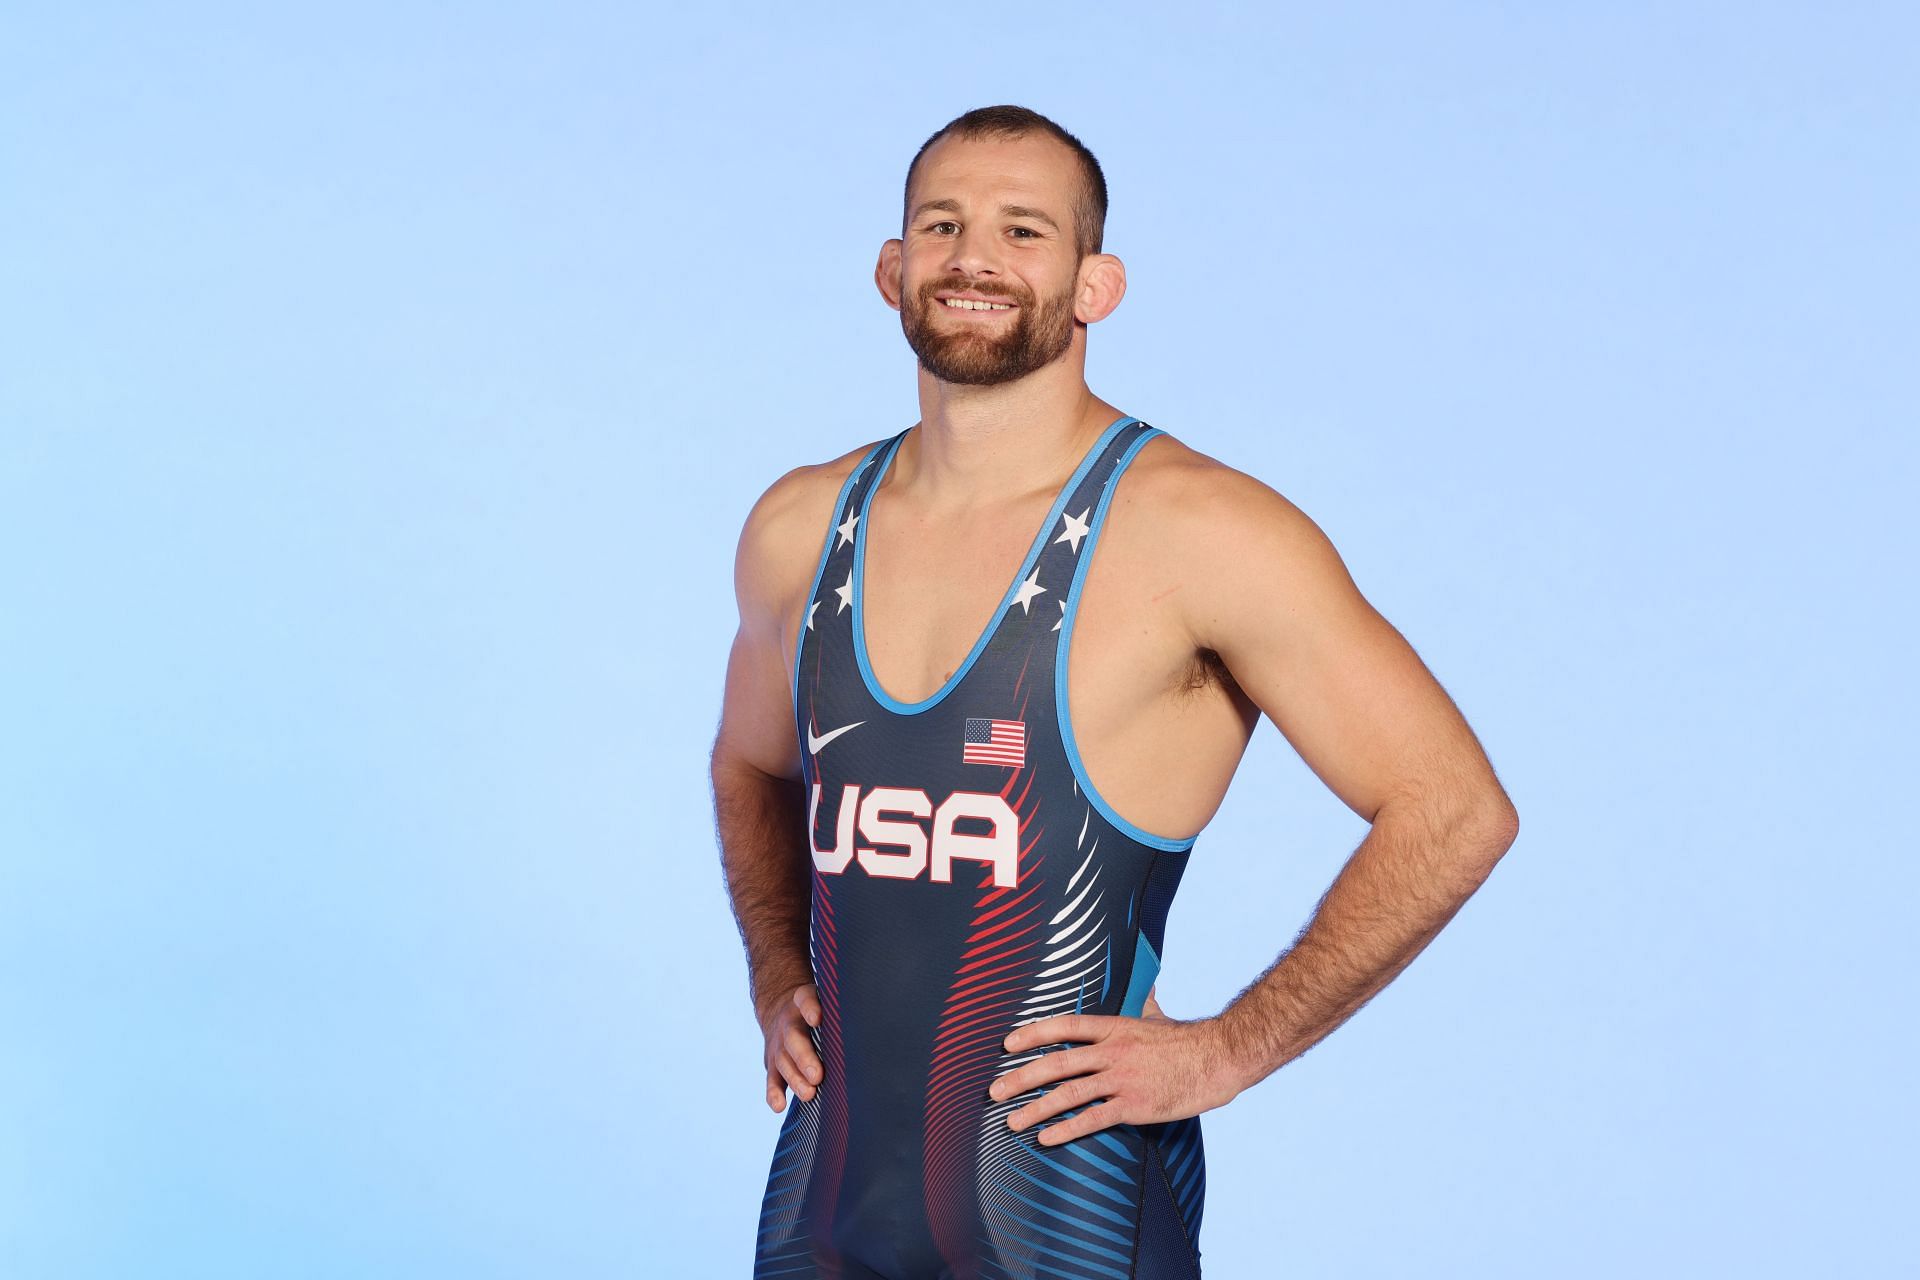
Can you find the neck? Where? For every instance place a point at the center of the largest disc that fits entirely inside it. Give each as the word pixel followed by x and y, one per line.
pixel 976 445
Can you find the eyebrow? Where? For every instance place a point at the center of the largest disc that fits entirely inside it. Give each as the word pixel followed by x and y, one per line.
pixel 1009 210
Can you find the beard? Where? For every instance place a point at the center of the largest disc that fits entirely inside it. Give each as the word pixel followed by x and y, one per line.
pixel 967 351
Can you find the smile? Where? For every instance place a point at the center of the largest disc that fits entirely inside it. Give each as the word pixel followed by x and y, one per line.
pixel 968 304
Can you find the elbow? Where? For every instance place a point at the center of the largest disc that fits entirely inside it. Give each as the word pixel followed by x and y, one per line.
pixel 1498 826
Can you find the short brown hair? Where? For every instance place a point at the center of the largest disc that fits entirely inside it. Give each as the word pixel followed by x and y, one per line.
pixel 1006 121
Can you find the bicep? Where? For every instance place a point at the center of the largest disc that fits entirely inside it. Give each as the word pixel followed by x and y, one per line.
pixel 756 717
pixel 1337 679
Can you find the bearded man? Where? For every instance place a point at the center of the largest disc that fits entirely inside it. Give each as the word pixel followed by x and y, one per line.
pixel 952 834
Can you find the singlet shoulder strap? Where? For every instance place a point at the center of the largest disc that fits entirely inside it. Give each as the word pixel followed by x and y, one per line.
pixel 839 537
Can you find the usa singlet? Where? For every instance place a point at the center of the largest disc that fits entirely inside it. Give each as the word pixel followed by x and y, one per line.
pixel 967 880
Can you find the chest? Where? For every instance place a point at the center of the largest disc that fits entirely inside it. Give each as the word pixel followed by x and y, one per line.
pixel 932 589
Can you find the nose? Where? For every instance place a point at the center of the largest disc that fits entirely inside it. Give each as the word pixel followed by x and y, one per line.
pixel 971 253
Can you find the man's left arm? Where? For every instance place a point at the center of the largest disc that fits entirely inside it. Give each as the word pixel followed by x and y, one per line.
pixel 1260 585
pixel 1365 714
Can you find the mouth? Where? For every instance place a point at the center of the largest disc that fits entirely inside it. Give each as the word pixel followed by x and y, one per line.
pixel 974 306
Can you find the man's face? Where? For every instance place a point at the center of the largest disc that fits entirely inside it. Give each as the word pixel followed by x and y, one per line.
pixel 990 223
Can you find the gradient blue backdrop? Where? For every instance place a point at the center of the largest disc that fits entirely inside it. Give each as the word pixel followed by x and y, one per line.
pixel 382 388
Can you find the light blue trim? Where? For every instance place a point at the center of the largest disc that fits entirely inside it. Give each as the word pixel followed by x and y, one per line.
pixel 1146 968
pixel 826 553
pixel 1013 589
pixel 1164 843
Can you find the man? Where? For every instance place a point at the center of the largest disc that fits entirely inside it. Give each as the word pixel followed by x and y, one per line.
pixel 953 879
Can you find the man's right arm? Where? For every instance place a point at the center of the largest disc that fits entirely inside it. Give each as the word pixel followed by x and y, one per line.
pixel 759 807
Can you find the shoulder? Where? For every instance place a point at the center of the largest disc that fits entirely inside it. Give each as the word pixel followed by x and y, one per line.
pixel 1191 497
pixel 1210 530
pixel 784 530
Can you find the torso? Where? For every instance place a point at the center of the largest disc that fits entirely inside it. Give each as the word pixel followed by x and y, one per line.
pixel 967 875
pixel 1161 724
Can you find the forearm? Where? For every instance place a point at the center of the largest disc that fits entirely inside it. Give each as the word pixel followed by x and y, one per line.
pixel 1408 878
pixel 763 853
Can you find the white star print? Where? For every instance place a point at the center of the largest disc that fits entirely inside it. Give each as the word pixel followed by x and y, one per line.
pixel 1063 614
pixel 810 609
pixel 846 531
pixel 845 591
pixel 1028 590
pixel 1076 529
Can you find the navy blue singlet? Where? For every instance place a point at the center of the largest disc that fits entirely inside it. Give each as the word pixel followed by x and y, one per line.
pixel 968 880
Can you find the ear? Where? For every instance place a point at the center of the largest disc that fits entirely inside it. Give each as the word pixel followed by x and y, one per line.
pixel 1103 282
pixel 886 272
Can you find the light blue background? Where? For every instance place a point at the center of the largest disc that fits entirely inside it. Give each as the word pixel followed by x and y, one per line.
pixel 382 388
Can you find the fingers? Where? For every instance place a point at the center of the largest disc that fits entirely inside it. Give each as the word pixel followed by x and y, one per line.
pixel 1062 1028
pixel 782 1076
pixel 1058 1065
pixel 1089 1121
pixel 1076 1092
pixel 795 1062
pixel 803 1088
pixel 799 1047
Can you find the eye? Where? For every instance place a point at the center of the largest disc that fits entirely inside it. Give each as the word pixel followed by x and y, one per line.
pixel 936 226
pixel 1027 231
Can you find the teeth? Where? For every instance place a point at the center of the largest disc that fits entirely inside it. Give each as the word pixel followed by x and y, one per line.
pixel 968 304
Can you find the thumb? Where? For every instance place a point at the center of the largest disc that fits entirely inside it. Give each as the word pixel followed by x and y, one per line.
pixel 809 1005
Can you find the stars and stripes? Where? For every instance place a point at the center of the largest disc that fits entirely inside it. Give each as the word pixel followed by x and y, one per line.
pixel 989 741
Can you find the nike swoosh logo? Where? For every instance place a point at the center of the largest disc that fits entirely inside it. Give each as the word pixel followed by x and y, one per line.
pixel 814 744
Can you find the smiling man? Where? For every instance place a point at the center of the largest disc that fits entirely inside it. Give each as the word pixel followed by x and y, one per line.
pixel 963 761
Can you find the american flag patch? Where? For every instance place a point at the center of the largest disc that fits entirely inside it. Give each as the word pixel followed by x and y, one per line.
pixel 995 742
